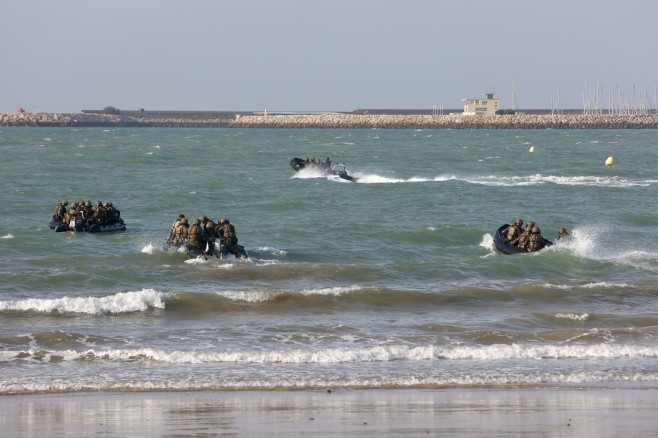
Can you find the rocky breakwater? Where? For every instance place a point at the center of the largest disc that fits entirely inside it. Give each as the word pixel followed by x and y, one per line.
pixel 344 121
pixel 64 119
pixel 458 121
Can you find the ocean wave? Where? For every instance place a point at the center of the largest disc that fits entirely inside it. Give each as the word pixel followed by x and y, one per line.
pixel 593 285
pixel 443 380
pixel 388 353
pixel 8 236
pixel 258 296
pixel 123 302
pixel 573 316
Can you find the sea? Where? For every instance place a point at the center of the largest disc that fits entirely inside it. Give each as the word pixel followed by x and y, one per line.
pixel 392 281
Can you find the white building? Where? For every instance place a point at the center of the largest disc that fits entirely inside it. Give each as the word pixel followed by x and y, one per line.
pixel 477 107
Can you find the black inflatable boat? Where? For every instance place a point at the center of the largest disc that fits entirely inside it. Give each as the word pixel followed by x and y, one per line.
pixel 324 167
pixel 506 248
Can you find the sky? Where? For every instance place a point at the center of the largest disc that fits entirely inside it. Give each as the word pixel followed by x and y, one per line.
pixel 322 55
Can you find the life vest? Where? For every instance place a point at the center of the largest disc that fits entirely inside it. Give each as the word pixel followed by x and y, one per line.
pixel 535 243
pixel 229 234
pixel 195 238
pixel 511 232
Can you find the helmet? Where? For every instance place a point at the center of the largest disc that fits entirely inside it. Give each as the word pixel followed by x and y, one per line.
pixel 535 230
pixel 223 221
pixel 530 224
pixel 99 203
pixel 562 230
pixel 109 204
pixel 87 203
pixel 75 204
pixel 519 222
pixel 196 222
pixel 203 218
pixel 184 221
pixel 65 202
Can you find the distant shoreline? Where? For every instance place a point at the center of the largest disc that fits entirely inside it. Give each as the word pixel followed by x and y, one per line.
pixel 338 121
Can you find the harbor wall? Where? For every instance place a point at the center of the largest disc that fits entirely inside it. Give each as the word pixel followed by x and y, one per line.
pixel 340 120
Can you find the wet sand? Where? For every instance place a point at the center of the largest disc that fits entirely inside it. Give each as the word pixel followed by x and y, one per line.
pixel 409 412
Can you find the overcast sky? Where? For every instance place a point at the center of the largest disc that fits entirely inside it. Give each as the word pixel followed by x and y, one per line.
pixel 321 55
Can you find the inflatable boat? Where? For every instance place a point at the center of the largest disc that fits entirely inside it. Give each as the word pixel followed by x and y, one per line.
pixel 506 248
pixel 322 166
pixel 78 224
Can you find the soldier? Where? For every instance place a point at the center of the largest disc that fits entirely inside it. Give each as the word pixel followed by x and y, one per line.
pixel 535 240
pixel 195 239
pixel 171 237
pixel 563 235
pixel 112 214
pixel 227 231
pixel 209 232
pixel 88 213
pixel 513 231
pixel 98 213
pixel 181 233
pixel 60 210
pixel 522 240
pixel 73 212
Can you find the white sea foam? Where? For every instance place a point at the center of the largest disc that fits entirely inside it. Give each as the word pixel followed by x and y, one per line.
pixel 384 353
pixel 148 249
pixel 377 179
pixel 487 243
pixel 573 316
pixel 595 285
pixel 257 296
pixel 271 250
pixel 196 261
pixel 123 302
pixel 8 236
pixel 269 383
pixel 538 179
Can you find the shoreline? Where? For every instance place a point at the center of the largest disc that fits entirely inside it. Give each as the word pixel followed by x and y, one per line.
pixel 477 412
pixel 340 121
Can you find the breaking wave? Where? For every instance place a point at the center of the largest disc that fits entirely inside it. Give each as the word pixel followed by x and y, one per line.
pixel 122 302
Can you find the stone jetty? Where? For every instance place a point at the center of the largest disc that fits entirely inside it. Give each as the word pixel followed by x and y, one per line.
pixel 342 121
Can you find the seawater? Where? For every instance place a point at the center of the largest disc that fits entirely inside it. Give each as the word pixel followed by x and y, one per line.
pixel 391 281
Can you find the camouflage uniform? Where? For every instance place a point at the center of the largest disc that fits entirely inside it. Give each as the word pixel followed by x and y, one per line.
pixel 182 230
pixel 195 239
pixel 535 241
pixel 171 237
pixel 73 212
pixel 227 231
pixel 60 210
pixel 513 231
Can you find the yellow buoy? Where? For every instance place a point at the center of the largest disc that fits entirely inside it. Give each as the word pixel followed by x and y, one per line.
pixel 609 161
pixel 532 149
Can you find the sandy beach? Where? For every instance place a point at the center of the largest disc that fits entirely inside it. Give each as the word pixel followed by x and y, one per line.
pixel 416 412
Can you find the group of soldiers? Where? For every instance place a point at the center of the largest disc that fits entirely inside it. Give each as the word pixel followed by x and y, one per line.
pixel 200 237
pixel 529 239
pixel 101 213
pixel 312 162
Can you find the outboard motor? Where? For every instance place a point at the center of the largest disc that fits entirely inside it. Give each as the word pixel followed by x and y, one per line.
pixel 78 223
pixel 220 247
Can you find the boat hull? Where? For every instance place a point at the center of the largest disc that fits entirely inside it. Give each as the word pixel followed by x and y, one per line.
pixel 78 224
